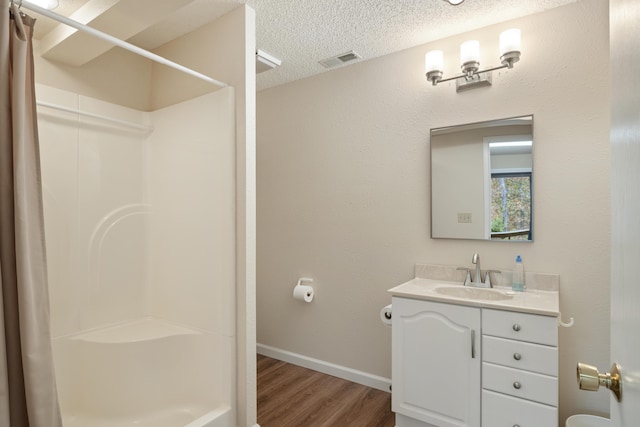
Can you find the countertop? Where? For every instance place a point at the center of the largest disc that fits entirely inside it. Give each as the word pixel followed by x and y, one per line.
pixel 543 302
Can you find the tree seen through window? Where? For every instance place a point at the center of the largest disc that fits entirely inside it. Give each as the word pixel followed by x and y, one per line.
pixel 511 206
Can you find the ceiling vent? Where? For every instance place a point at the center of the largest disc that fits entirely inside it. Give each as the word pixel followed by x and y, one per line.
pixel 265 61
pixel 340 59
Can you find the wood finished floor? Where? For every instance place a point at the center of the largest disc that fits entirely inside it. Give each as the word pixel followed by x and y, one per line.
pixel 292 396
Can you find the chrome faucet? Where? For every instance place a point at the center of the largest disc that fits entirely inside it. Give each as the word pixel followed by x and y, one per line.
pixel 477 277
pixel 476 280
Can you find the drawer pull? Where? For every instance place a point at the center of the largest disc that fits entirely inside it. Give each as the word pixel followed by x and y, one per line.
pixel 517 385
pixel 516 327
pixel 517 356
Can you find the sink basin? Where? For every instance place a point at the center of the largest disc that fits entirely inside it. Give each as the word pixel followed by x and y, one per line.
pixel 473 293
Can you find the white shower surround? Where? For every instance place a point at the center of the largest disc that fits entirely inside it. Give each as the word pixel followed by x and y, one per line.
pixel 141 249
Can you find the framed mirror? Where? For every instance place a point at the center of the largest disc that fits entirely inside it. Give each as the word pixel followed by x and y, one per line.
pixel 482 180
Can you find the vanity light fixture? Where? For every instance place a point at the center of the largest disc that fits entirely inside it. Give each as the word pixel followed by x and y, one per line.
pixel 470 58
pixel 455 2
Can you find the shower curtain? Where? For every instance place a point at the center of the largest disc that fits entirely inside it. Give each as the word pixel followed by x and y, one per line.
pixel 28 395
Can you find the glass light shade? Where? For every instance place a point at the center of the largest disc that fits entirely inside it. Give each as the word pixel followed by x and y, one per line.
pixel 470 51
pixel 455 2
pixel 434 61
pixel 45 4
pixel 510 41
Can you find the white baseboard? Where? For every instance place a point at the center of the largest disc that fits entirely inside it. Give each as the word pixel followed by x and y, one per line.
pixel 328 368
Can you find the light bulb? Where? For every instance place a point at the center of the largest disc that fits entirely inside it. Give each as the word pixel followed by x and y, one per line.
pixel 433 61
pixel 470 51
pixel 510 41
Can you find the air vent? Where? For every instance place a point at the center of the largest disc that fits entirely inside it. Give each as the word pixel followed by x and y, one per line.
pixel 340 59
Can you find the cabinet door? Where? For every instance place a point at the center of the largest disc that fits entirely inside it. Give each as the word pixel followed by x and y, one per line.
pixel 436 362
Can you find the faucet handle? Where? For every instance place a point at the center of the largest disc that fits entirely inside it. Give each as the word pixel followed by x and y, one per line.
pixel 487 277
pixel 467 278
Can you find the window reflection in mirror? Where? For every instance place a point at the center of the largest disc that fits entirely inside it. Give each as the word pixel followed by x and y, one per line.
pixel 481 180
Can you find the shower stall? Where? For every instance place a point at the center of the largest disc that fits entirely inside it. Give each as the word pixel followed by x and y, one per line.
pixel 142 223
pixel 140 246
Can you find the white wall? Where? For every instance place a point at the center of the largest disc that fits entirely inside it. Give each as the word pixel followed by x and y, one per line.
pixel 140 223
pixel 192 230
pixel 95 213
pixel 343 189
pixel 508 162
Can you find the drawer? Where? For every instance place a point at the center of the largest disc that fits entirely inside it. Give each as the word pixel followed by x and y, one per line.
pixel 542 359
pixel 519 326
pixel 499 410
pixel 526 385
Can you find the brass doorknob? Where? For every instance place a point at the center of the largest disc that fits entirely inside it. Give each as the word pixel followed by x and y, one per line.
pixel 590 379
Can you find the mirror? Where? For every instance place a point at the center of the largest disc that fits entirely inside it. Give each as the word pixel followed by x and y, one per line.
pixel 481 180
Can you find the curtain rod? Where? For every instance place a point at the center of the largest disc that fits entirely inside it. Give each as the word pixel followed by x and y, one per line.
pixel 121 43
pixel 95 116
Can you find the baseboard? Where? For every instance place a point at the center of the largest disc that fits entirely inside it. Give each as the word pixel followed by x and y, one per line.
pixel 328 368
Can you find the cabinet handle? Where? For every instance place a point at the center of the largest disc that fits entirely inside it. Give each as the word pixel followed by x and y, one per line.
pixel 517 356
pixel 516 327
pixel 517 385
pixel 473 343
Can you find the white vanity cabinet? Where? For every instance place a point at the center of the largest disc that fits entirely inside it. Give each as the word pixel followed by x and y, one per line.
pixel 519 369
pixel 436 364
pixel 459 365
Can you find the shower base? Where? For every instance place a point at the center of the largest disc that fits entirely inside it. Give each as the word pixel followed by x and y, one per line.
pixel 145 373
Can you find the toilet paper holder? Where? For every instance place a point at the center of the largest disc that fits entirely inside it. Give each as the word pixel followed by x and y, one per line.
pixel 304 281
pixel 303 291
pixel 385 315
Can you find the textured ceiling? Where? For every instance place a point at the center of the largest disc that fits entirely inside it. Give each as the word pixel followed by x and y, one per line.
pixel 302 32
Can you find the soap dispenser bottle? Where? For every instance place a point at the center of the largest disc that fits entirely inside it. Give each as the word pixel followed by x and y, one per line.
pixel 517 283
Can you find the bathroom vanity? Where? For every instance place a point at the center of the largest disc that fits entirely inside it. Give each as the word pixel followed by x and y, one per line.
pixel 465 356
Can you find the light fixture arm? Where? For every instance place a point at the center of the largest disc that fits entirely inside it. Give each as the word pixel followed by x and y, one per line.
pixel 468 76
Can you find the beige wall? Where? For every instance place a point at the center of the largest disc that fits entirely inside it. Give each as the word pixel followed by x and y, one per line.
pixel 458 173
pixel 343 190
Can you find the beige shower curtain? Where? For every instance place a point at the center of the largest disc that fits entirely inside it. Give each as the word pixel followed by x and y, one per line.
pixel 27 382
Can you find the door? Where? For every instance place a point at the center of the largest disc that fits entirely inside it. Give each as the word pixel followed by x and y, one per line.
pixel 436 363
pixel 625 206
